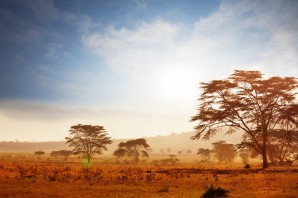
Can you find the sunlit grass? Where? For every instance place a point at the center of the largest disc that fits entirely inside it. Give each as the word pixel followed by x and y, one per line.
pixel 43 178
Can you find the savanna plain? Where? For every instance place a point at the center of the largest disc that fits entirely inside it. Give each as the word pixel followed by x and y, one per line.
pixel 23 175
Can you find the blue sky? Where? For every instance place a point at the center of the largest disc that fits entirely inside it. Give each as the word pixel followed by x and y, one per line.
pixel 133 66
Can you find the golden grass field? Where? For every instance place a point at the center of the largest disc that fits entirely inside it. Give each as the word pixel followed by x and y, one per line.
pixel 22 177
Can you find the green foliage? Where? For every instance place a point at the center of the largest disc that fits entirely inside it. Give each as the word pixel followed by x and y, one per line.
pixel 215 192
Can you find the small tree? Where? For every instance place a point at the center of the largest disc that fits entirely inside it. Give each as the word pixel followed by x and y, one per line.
pixel 188 151
pixel 61 153
pixel 88 140
pixel 205 154
pixel 224 152
pixel 173 159
pixel 179 152
pixel 133 149
pixel 39 153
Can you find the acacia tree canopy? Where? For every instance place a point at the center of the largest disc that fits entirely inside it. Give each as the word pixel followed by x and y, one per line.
pixel 63 153
pixel 205 154
pixel 39 153
pixel 133 149
pixel 246 101
pixel 224 152
pixel 88 140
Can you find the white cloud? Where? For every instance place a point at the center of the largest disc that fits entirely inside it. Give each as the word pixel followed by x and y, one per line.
pixel 163 63
pixel 133 48
pixel 148 57
pixel 241 34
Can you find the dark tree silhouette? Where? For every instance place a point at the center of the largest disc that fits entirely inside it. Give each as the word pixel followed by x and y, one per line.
pixel 247 102
pixel 173 159
pixel 39 153
pixel 61 153
pixel 88 140
pixel 133 149
pixel 224 152
pixel 120 153
pixel 188 151
pixel 282 146
pixel 205 154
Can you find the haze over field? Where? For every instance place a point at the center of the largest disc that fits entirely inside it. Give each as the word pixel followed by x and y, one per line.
pixel 176 142
pixel 134 66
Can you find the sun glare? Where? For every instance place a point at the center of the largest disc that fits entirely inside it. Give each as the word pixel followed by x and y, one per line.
pixel 177 85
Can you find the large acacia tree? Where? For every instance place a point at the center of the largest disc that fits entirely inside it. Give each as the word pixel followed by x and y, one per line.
pixel 88 140
pixel 246 101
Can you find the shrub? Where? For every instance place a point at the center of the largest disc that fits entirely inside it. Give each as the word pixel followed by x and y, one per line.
pixel 163 189
pixel 215 192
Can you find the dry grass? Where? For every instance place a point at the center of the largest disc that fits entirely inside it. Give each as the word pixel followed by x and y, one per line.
pixel 53 179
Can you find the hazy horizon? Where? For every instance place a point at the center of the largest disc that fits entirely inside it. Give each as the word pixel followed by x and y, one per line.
pixel 132 66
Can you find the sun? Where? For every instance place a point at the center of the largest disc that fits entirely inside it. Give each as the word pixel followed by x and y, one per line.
pixel 178 85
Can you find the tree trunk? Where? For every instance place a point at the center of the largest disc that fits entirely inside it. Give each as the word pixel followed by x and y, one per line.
pixel 264 151
pixel 89 159
pixel 265 162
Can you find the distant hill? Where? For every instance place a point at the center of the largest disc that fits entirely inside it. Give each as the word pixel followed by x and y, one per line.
pixel 32 146
pixel 173 143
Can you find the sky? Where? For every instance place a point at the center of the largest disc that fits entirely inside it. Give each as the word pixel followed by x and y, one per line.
pixel 132 66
